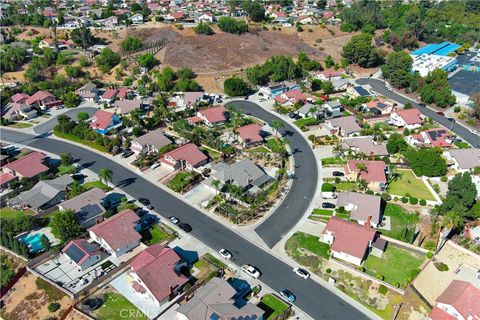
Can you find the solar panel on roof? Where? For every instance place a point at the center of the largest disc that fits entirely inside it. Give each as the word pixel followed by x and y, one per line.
pixel 74 253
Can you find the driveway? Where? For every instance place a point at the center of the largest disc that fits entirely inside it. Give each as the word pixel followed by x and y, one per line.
pixel 199 194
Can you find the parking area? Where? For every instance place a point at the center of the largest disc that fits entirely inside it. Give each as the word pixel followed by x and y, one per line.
pixel 158 174
pixel 327 172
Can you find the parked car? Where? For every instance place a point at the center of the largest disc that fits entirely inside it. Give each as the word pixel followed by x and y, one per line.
pixel 328 205
pixel 145 202
pixel 173 219
pixel 251 271
pixel 338 174
pixel 127 153
pixel 421 104
pixel 155 165
pixel 440 113
pixel 225 254
pixel 473 131
pixel 185 226
pixel 287 295
pixel 301 273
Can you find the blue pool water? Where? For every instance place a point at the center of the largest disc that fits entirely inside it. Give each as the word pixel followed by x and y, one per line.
pixel 33 241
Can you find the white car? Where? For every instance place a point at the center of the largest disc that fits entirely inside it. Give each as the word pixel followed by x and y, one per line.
pixel 301 273
pixel 251 271
pixel 225 254
pixel 155 165
pixel 473 131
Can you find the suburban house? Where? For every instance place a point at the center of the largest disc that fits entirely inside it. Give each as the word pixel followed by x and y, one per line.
pixel 379 106
pixel 329 75
pixel 363 207
pixel 344 126
pixel 187 156
pixel 174 16
pixel 117 234
pixel 333 108
pixel 104 121
pixel 305 20
pixel 151 142
pixel 16 111
pixel 341 84
pixel 460 301
pixel 366 145
pixel 471 231
pixel 109 95
pixel 217 299
pixel 29 166
pixel 19 97
pixel 109 22
pixel 43 195
pixel 212 116
pixel 89 206
pixel 278 88
pixel 122 93
pixel 308 110
pixel 82 253
pixel 348 241
pixel 155 274
pixel 290 98
pixel 244 173
pixel 207 17
pixel 126 106
pixel 137 18
pixel 437 137
pixel 250 135
pixel 374 173
pixel 88 92
pixel 192 98
pixel 43 99
pixel 463 159
pixel 406 118
pixel 358 91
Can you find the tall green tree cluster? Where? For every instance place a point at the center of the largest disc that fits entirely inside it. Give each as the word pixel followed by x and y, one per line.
pixel 107 60
pixel 182 80
pixel 427 162
pixel 235 87
pixel 359 50
pixel 232 25
pixel 12 57
pixel 275 69
pixel 436 89
pixel 398 69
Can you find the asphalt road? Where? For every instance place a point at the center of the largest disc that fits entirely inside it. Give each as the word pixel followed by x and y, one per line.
pixel 48 125
pixel 460 130
pixel 312 298
pixel 304 184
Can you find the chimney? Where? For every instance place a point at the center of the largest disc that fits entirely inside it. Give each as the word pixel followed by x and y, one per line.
pixel 367 224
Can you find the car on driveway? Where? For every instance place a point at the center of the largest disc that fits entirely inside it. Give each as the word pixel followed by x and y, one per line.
pixel 328 205
pixel 127 153
pixel 251 271
pixel 155 165
pixel 473 131
pixel 225 254
pixel 338 174
pixel 173 219
pixel 185 226
pixel 286 294
pixel 301 273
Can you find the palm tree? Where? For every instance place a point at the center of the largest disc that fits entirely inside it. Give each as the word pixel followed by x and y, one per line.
pixel 105 175
pixel 362 184
pixel 338 149
pixel 276 125
pixel 216 184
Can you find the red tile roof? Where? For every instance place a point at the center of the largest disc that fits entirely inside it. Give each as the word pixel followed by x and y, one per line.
pixel 296 95
pixel 20 97
pixel 213 115
pixel 437 137
pixel 349 237
pixel 155 266
pixel 109 94
pixel 194 119
pixel 119 230
pixel 38 96
pixel 5 178
pixel 440 314
pixel 82 245
pixel 375 170
pixel 177 15
pixel 280 100
pixel 464 297
pixel 410 116
pixel 188 153
pixel 122 93
pixel 102 120
pixel 250 133
pixel 29 166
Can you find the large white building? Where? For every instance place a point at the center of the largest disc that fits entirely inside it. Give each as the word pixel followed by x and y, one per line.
pixel 425 63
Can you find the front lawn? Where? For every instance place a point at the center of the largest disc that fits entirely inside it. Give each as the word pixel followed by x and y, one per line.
pixel 272 306
pixel 115 306
pixel 274 145
pixel 333 160
pixel 181 180
pixel 63 169
pixel 397 266
pixel 155 235
pixel 308 242
pixel 462 144
pixel 346 186
pixel 9 213
pixel 323 212
pixel 402 223
pixel 20 125
pixel 96 184
pixel 74 138
pixel 405 182
pixel 305 122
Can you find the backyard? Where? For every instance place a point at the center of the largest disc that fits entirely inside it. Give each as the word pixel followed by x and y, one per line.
pixel 114 307
pixel 8 213
pixel 272 306
pixel 181 180
pixel 405 183
pixel 402 223
pixel 397 266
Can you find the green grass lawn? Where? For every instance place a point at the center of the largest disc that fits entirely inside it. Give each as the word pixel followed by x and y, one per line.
pixel 113 308
pixel 400 221
pixel 323 212
pixel 397 265
pixel 74 138
pixel 212 153
pixel 20 125
pixel 346 113
pixel 308 242
pixel 96 184
pixel 181 180
pixel 272 306
pixel 274 145
pixel 155 235
pixel 344 216
pixel 62 169
pixel 306 122
pixel 216 262
pixel 333 160
pixel 127 205
pixel 346 186
pixel 462 144
pixel 407 182
pixel 259 150
pixel 8 213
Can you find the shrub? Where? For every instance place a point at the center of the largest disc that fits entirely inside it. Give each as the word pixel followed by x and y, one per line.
pixel 379 277
pixel 457 109
pixel 429 255
pixel 414 273
pixel 423 202
pixel 53 306
pixel 413 200
pixel 444 179
pixel 386 197
pixel 404 199
pixel 382 289
pixel 337 180
pixel 328 187
pixel 395 199
pixel 299 28
pixel 441 266
pixel 362 269
pixel 328 270
pixel 430 245
pixel 369 192
pixel 310 30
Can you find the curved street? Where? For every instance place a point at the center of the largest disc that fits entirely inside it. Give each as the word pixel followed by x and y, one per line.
pixel 313 298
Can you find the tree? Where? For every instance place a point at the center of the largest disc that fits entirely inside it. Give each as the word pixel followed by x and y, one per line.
pixel 235 86
pixel 105 175
pixel 70 99
pixel 255 10
pixel 73 71
pixel 321 4
pixel 396 143
pixel 75 189
pixel 131 44
pixel 472 6
pixel 476 104
pixel 147 60
pixel 327 87
pixel 329 62
pixel 82 37
pixel 45 243
pixel 232 25
pixel 107 60
pixel 277 125
pixel 66 159
pixel 427 162
pixel 461 191
pixel 359 50
pixel 82 116
pixel 397 69
pixel 203 28
pixel 216 184
pixel 65 226
pixel 186 73
pixel 307 64
pixel 436 89
pixel 12 58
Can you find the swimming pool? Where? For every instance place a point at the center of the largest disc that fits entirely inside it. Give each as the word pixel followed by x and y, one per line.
pixel 34 241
